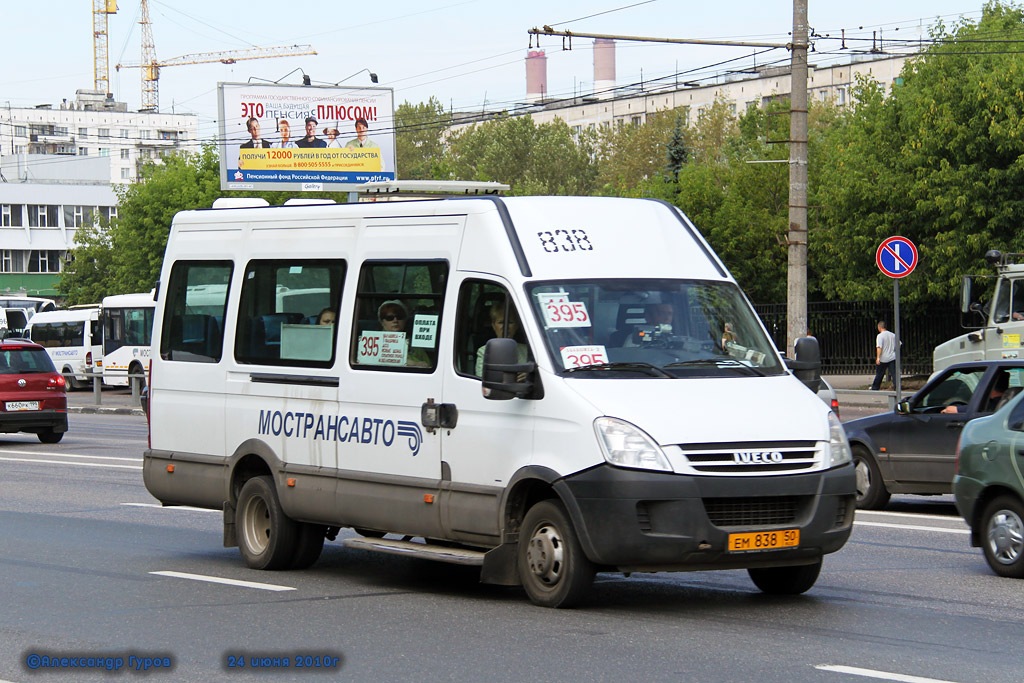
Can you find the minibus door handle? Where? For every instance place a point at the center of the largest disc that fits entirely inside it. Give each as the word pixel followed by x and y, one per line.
pixel 438 415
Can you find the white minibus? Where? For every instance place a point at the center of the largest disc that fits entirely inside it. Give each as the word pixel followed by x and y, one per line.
pixel 543 387
pixel 73 339
pixel 127 332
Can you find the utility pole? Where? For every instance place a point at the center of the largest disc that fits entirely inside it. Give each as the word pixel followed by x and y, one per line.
pixel 796 290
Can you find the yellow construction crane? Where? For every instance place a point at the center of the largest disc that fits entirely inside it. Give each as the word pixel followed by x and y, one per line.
pixel 100 62
pixel 151 67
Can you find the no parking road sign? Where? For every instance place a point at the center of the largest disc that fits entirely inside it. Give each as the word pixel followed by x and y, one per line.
pixel 896 257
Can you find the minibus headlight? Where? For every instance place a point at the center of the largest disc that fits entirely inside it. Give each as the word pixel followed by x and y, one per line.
pixel 838 444
pixel 625 445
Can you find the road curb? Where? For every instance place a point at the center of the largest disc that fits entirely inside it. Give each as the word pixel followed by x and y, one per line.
pixel 100 410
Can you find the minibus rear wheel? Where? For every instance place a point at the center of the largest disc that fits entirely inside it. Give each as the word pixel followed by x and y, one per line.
pixel 785 580
pixel 552 566
pixel 267 536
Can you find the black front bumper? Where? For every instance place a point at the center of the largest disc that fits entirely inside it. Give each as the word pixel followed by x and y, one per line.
pixel 33 421
pixel 649 521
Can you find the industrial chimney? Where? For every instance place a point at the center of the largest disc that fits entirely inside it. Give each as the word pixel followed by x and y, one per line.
pixel 604 67
pixel 536 76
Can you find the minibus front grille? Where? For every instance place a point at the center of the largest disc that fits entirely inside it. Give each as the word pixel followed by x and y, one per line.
pixel 754 512
pixel 738 459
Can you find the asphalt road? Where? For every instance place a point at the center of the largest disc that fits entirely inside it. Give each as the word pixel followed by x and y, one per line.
pixel 81 541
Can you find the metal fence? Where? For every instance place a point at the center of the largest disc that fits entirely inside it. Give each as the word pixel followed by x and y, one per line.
pixel 846 331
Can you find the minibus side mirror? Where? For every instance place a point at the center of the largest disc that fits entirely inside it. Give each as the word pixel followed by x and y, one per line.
pixel 502 371
pixel 807 366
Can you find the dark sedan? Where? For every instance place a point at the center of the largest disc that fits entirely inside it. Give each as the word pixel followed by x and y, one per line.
pixel 913 448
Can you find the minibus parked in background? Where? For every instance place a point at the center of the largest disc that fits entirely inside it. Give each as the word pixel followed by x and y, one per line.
pixel 542 387
pixel 127 333
pixel 73 339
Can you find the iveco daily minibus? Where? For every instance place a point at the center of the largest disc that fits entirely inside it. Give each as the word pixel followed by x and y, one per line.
pixel 545 387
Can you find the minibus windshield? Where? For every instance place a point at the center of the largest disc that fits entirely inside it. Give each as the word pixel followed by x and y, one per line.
pixel 653 328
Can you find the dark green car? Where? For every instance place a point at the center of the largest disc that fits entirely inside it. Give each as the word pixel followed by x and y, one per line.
pixel 989 486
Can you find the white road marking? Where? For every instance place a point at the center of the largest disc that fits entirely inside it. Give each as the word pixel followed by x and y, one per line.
pixel 912 515
pixel 914 527
pixel 59 454
pixel 170 507
pixel 884 675
pixel 75 464
pixel 228 582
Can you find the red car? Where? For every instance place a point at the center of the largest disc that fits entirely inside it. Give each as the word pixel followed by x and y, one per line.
pixel 32 392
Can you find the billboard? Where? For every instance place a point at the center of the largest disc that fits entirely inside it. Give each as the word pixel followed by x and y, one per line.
pixel 304 138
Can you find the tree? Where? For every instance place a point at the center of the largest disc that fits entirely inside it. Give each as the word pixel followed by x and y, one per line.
pixel 629 154
pixel 940 161
pixel 678 155
pixel 145 211
pixel 546 159
pixel 84 278
pixel 419 139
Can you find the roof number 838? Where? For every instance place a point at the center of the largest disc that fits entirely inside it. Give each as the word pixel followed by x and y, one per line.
pixel 565 240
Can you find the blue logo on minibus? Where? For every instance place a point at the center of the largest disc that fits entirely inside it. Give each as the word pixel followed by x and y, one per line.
pixel 342 428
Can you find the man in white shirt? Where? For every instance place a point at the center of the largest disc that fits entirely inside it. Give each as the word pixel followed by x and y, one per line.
pixel 885 356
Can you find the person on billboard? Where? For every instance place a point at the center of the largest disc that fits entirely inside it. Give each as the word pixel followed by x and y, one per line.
pixel 255 142
pixel 310 140
pixel 332 137
pixel 285 129
pixel 360 140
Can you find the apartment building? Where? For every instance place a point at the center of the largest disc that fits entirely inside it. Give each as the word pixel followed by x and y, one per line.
pixel 610 104
pixel 59 166
pixel 94 125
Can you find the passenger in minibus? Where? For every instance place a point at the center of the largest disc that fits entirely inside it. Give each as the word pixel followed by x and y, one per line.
pixel 326 317
pixel 509 331
pixel 393 317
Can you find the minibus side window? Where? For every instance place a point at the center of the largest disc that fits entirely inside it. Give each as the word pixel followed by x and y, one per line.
pixel 485 312
pixel 397 319
pixel 288 312
pixel 193 325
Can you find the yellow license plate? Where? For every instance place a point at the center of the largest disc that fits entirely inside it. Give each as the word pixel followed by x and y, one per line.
pixel 764 540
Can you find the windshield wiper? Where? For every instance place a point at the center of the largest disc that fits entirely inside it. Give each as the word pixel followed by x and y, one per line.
pixel 646 368
pixel 717 362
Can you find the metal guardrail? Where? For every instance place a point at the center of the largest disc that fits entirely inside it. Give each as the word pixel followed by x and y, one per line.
pixel 890 395
pixel 136 382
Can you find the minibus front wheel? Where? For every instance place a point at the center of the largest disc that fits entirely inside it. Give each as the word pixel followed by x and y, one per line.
pixel 267 536
pixel 552 566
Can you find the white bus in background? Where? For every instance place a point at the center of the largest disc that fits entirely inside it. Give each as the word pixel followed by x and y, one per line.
pixel 33 304
pixel 127 334
pixel 73 339
pixel 16 311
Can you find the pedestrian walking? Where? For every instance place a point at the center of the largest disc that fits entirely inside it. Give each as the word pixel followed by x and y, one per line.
pixel 885 356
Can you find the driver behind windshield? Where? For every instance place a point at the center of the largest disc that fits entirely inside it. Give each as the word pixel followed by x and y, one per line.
pixel 658 315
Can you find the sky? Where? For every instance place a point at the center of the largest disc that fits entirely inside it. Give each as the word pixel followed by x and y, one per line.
pixel 467 53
